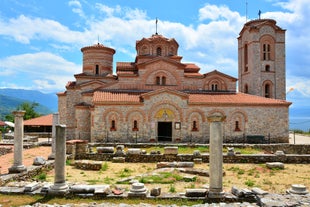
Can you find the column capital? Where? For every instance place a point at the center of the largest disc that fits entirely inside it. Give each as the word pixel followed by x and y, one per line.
pixel 19 113
pixel 216 118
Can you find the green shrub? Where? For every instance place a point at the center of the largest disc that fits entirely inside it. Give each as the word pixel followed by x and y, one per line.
pixel 249 183
pixel 41 177
pixel 172 189
pixel 104 167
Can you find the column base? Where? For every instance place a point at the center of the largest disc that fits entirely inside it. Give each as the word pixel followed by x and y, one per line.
pixel 17 169
pixel 216 194
pixel 51 157
pixel 58 189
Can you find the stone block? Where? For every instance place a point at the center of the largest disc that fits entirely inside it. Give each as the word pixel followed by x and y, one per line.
pixel 134 151
pixel 196 153
pixel 170 150
pixel 118 159
pixel 102 190
pixel 77 189
pixel 199 192
pixel 272 165
pixel 103 150
pixel 258 191
pixel 32 187
pixel 197 161
pixel 88 164
pixel 39 161
pixel 155 191
pixel 185 164
pixel 279 153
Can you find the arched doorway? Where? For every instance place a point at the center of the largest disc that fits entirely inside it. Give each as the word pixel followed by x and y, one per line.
pixel 164 131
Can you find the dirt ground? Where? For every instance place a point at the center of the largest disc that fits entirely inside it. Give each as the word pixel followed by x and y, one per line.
pixel 6 161
pixel 240 175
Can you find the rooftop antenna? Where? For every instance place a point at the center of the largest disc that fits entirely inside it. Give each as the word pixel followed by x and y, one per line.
pixel 98 39
pixel 246 10
pixel 259 13
pixel 156 25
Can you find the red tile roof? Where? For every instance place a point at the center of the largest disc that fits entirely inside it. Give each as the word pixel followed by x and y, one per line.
pixel 46 120
pixel 2 123
pixel 234 99
pixel 214 99
pixel 103 97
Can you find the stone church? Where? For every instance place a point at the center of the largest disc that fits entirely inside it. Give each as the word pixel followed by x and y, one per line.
pixel 159 98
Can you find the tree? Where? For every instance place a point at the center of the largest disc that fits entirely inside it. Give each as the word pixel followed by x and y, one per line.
pixel 29 109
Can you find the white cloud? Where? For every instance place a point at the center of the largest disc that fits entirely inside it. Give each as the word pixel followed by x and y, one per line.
pixel 24 29
pixel 41 70
pixel 299 84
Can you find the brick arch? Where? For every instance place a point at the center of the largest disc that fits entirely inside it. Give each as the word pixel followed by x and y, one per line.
pixel 108 112
pixel 200 112
pixel 139 111
pixel 216 111
pixel 271 89
pixel 221 84
pixel 171 76
pixel 269 40
pixel 239 116
pixel 242 113
pixel 154 109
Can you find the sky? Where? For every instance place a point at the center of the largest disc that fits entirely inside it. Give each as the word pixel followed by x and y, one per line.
pixel 41 40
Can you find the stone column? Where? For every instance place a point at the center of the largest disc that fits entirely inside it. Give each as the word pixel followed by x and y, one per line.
pixel 55 122
pixel 216 156
pixel 18 143
pixel 60 186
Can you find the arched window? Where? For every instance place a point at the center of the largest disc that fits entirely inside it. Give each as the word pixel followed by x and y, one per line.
pixel 158 51
pixel 237 127
pixel 144 50
pixel 113 126
pixel 135 126
pixel 163 80
pixel 246 88
pixel 97 70
pixel 266 52
pixel 245 58
pixel 157 80
pixel 214 87
pixel 194 127
pixel 267 90
pixel 267 68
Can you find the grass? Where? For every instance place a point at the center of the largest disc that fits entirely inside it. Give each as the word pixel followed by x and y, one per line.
pixel 41 177
pixel 22 200
pixel 205 149
pixel 240 175
pixel 162 178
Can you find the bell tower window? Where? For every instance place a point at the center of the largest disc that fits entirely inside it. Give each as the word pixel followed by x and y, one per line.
pixel 246 88
pixel 97 70
pixel 267 90
pixel 158 51
pixel 245 58
pixel 266 52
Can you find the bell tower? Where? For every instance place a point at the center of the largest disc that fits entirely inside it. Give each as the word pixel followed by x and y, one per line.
pixel 261 59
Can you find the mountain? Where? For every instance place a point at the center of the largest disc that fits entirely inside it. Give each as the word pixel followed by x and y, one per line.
pixel 11 98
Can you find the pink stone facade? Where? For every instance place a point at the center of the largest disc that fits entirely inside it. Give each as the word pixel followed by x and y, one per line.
pixel 159 98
